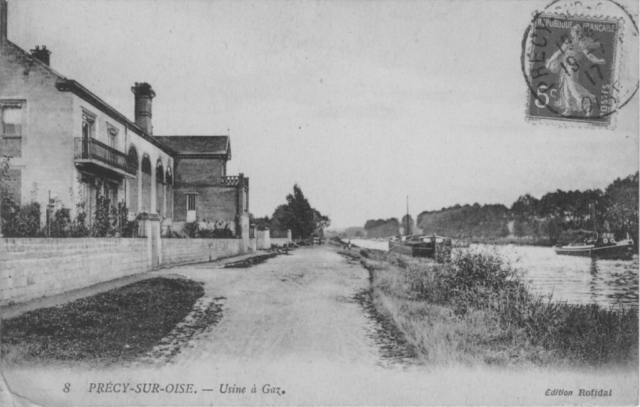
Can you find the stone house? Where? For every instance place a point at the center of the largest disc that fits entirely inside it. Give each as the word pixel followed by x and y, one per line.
pixel 64 142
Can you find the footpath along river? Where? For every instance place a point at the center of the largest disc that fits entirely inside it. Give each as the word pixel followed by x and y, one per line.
pixel 576 280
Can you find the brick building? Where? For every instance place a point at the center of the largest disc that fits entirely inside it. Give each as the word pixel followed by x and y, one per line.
pixel 64 142
pixel 203 192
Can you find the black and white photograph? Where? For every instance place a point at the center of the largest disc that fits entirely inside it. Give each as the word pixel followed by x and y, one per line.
pixel 319 202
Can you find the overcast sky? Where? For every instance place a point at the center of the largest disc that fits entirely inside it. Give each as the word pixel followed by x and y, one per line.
pixel 359 102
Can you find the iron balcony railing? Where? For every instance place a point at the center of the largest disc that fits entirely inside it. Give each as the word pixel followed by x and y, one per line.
pixel 92 149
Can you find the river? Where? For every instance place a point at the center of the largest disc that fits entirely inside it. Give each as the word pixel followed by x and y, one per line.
pixel 576 280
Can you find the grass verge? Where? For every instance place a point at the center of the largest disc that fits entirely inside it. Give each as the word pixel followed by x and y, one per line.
pixel 476 310
pixel 118 325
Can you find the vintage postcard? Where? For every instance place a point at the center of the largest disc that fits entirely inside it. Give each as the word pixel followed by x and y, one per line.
pixel 319 202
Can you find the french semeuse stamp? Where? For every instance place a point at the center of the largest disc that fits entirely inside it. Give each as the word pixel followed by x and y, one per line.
pixel 572 71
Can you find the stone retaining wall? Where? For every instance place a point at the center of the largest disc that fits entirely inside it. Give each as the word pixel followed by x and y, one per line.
pixel 180 251
pixel 42 267
pixel 34 268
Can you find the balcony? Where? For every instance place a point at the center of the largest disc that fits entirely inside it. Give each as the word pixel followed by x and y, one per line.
pixel 234 181
pixel 99 157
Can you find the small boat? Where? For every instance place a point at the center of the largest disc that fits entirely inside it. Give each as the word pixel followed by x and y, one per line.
pixel 601 246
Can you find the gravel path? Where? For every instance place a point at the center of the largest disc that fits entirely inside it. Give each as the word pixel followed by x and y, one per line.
pixel 297 308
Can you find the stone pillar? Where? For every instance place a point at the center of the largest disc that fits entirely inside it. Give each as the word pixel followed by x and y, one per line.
pixel 149 227
pixel 253 238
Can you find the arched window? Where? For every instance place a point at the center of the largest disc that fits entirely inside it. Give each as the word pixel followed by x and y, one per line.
pixel 169 176
pixel 132 157
pixel 132 162
pixel 159 172
pixel 146 164
pixel 146 182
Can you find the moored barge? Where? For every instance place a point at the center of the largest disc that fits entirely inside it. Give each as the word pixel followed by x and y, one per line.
pixel 435 247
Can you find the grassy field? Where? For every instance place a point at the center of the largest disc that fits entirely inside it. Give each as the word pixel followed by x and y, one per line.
pixel 117 325
pixel 475 310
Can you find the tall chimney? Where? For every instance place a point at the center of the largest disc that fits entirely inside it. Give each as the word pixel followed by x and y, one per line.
pixel 144 95
pixel 41 54
pixel 3 20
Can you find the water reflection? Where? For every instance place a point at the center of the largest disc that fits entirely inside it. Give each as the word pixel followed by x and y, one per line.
pixel 576 280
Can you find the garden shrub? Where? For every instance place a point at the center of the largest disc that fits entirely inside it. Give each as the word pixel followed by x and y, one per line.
pixel 194 231
pixel 216 233
pixel 20 221
pixel 60 224
pixel 191 229
pixel 103 218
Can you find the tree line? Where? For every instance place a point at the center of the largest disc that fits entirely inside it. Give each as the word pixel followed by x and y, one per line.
pixel 556 216
pixel 559 216
pixel 382 227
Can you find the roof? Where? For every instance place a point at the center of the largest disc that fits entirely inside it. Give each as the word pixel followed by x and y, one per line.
pixel 64 84
pixel 69 85
pixel 202 145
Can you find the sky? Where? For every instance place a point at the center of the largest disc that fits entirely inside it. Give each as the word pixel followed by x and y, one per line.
pixel 362 103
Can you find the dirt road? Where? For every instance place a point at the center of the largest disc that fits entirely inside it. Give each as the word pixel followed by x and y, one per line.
pixel 297 308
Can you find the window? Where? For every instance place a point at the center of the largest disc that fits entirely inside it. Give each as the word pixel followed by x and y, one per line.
pixel 146 164
pixel 11 116
pixel 86 130
pixel 191 207
pixel 88 121
pixel 191 202
pixel 112 131
pixel 169 177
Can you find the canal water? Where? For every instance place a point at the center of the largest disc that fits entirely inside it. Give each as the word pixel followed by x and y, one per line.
pixel 576 280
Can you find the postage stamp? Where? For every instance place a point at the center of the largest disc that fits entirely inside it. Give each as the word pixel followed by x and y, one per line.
pixel 572 73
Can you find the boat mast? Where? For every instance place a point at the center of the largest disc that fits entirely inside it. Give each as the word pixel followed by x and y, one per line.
pixel 408 229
